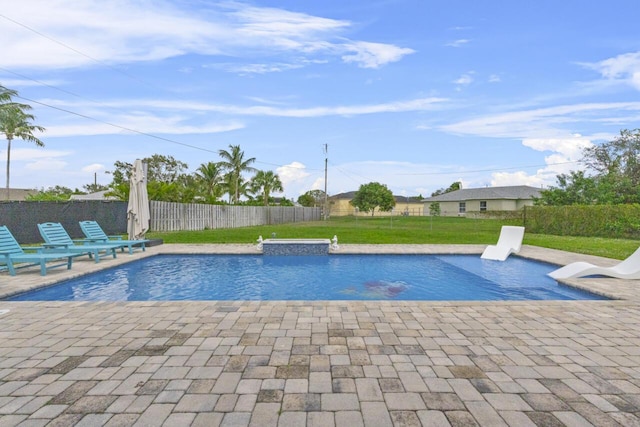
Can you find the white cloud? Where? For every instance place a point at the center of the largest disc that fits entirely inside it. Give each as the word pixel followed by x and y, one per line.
pixel 494 78
pixel 16 83
pixel 458 43
pixel 546 130
pixel 172 117
pixel 374 55
pixel 67 33
pixel 464 80
pixel 296 179
pixel 419 104
pixel 539 123
pixel 292 172
pixel 570 148
pixel 503 179
pixel 46 165
pixel 318 184
pixel 93 168
pixel 623 68
pixel 566 152
pixel 141 123
pixel 287 28
pixel 248 69
pixel 29 154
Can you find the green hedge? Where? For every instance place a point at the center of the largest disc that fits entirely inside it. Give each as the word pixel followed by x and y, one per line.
pixel 515 216
pixel 615 221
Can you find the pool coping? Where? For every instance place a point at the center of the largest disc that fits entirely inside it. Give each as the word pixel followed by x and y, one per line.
pixel 616 289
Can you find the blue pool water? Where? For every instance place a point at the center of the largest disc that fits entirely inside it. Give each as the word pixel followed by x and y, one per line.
pixel 335 277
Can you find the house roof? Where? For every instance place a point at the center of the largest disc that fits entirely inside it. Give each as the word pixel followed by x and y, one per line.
pixel 351 194
pixel 348 195
pixel 16 194
pixel 99 195
pixel 514 192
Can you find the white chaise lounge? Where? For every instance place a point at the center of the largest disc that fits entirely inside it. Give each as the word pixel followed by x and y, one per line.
pixel 627 269
pixel 509 242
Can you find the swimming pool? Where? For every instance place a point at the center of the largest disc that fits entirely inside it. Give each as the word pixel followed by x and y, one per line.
pixel 335 277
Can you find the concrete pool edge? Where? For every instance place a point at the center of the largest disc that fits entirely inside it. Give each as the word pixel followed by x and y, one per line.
pixel 616 289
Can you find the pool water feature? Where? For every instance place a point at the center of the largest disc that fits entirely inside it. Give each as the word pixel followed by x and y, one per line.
pixel 332 277
pixel 295 247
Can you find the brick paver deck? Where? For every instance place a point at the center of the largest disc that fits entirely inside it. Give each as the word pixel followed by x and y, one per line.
pixel 320 363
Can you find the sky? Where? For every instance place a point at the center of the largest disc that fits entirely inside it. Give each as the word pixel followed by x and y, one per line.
pixel 414 94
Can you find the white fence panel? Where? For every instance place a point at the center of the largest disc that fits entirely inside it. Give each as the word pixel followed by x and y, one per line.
pixel 169 216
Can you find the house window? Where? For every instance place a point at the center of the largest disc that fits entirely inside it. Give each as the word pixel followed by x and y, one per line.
pixel 462 207
pixel 483 206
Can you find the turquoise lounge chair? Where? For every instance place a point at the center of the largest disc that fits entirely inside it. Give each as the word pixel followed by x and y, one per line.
pixel 55 236
pixel 11 252
pixel 94 233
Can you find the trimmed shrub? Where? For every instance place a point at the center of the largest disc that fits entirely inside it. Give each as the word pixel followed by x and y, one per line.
pixel 614 221
pixel 502 215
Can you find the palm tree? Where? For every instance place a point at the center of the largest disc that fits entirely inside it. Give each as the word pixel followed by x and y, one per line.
pixel 244 189
pixel 6 95
pixel 234 163
pixel 266 183
pixel 210 177
pixel 16 123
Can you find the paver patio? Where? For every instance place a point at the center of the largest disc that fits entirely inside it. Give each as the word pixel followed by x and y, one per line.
pixel 320 363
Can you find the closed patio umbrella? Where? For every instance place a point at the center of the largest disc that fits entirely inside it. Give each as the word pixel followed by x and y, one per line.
pixel 138 208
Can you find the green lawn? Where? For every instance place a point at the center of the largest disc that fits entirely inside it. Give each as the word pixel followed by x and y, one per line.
pixel 421 230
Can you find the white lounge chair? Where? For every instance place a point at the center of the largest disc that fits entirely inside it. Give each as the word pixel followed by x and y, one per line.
pixel 509 242
pixel 627 269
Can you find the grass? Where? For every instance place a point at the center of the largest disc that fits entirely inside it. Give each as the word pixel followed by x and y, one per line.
pixel 419 230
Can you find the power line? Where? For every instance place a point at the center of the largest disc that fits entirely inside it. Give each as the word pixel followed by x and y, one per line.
pixel 117 126
pixel 150 135
pixel 66 46
pixel 46 84
pixel 131 76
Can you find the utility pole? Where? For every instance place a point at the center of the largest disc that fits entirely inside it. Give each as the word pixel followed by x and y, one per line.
pixel 326 198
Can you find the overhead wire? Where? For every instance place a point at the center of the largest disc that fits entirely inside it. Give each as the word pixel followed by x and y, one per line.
pixel 85 116
pixel 66 46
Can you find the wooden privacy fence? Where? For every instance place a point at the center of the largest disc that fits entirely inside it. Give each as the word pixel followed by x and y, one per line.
pixel 168 216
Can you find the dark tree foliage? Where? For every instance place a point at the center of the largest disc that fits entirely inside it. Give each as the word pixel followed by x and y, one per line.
pixel 615 178
pixel 53 194
pixel 312 199
pixel 264 183
pixel 453 187
pixel 371 196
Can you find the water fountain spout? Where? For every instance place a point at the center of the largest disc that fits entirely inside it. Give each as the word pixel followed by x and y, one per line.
pixel 334 243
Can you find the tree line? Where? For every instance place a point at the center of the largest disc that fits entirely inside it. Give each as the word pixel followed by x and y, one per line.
pixel 169 181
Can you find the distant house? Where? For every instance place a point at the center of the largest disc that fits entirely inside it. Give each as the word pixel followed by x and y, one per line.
pixel 468 200
pixel 99 195
pixel 16 194
pixel 339 206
